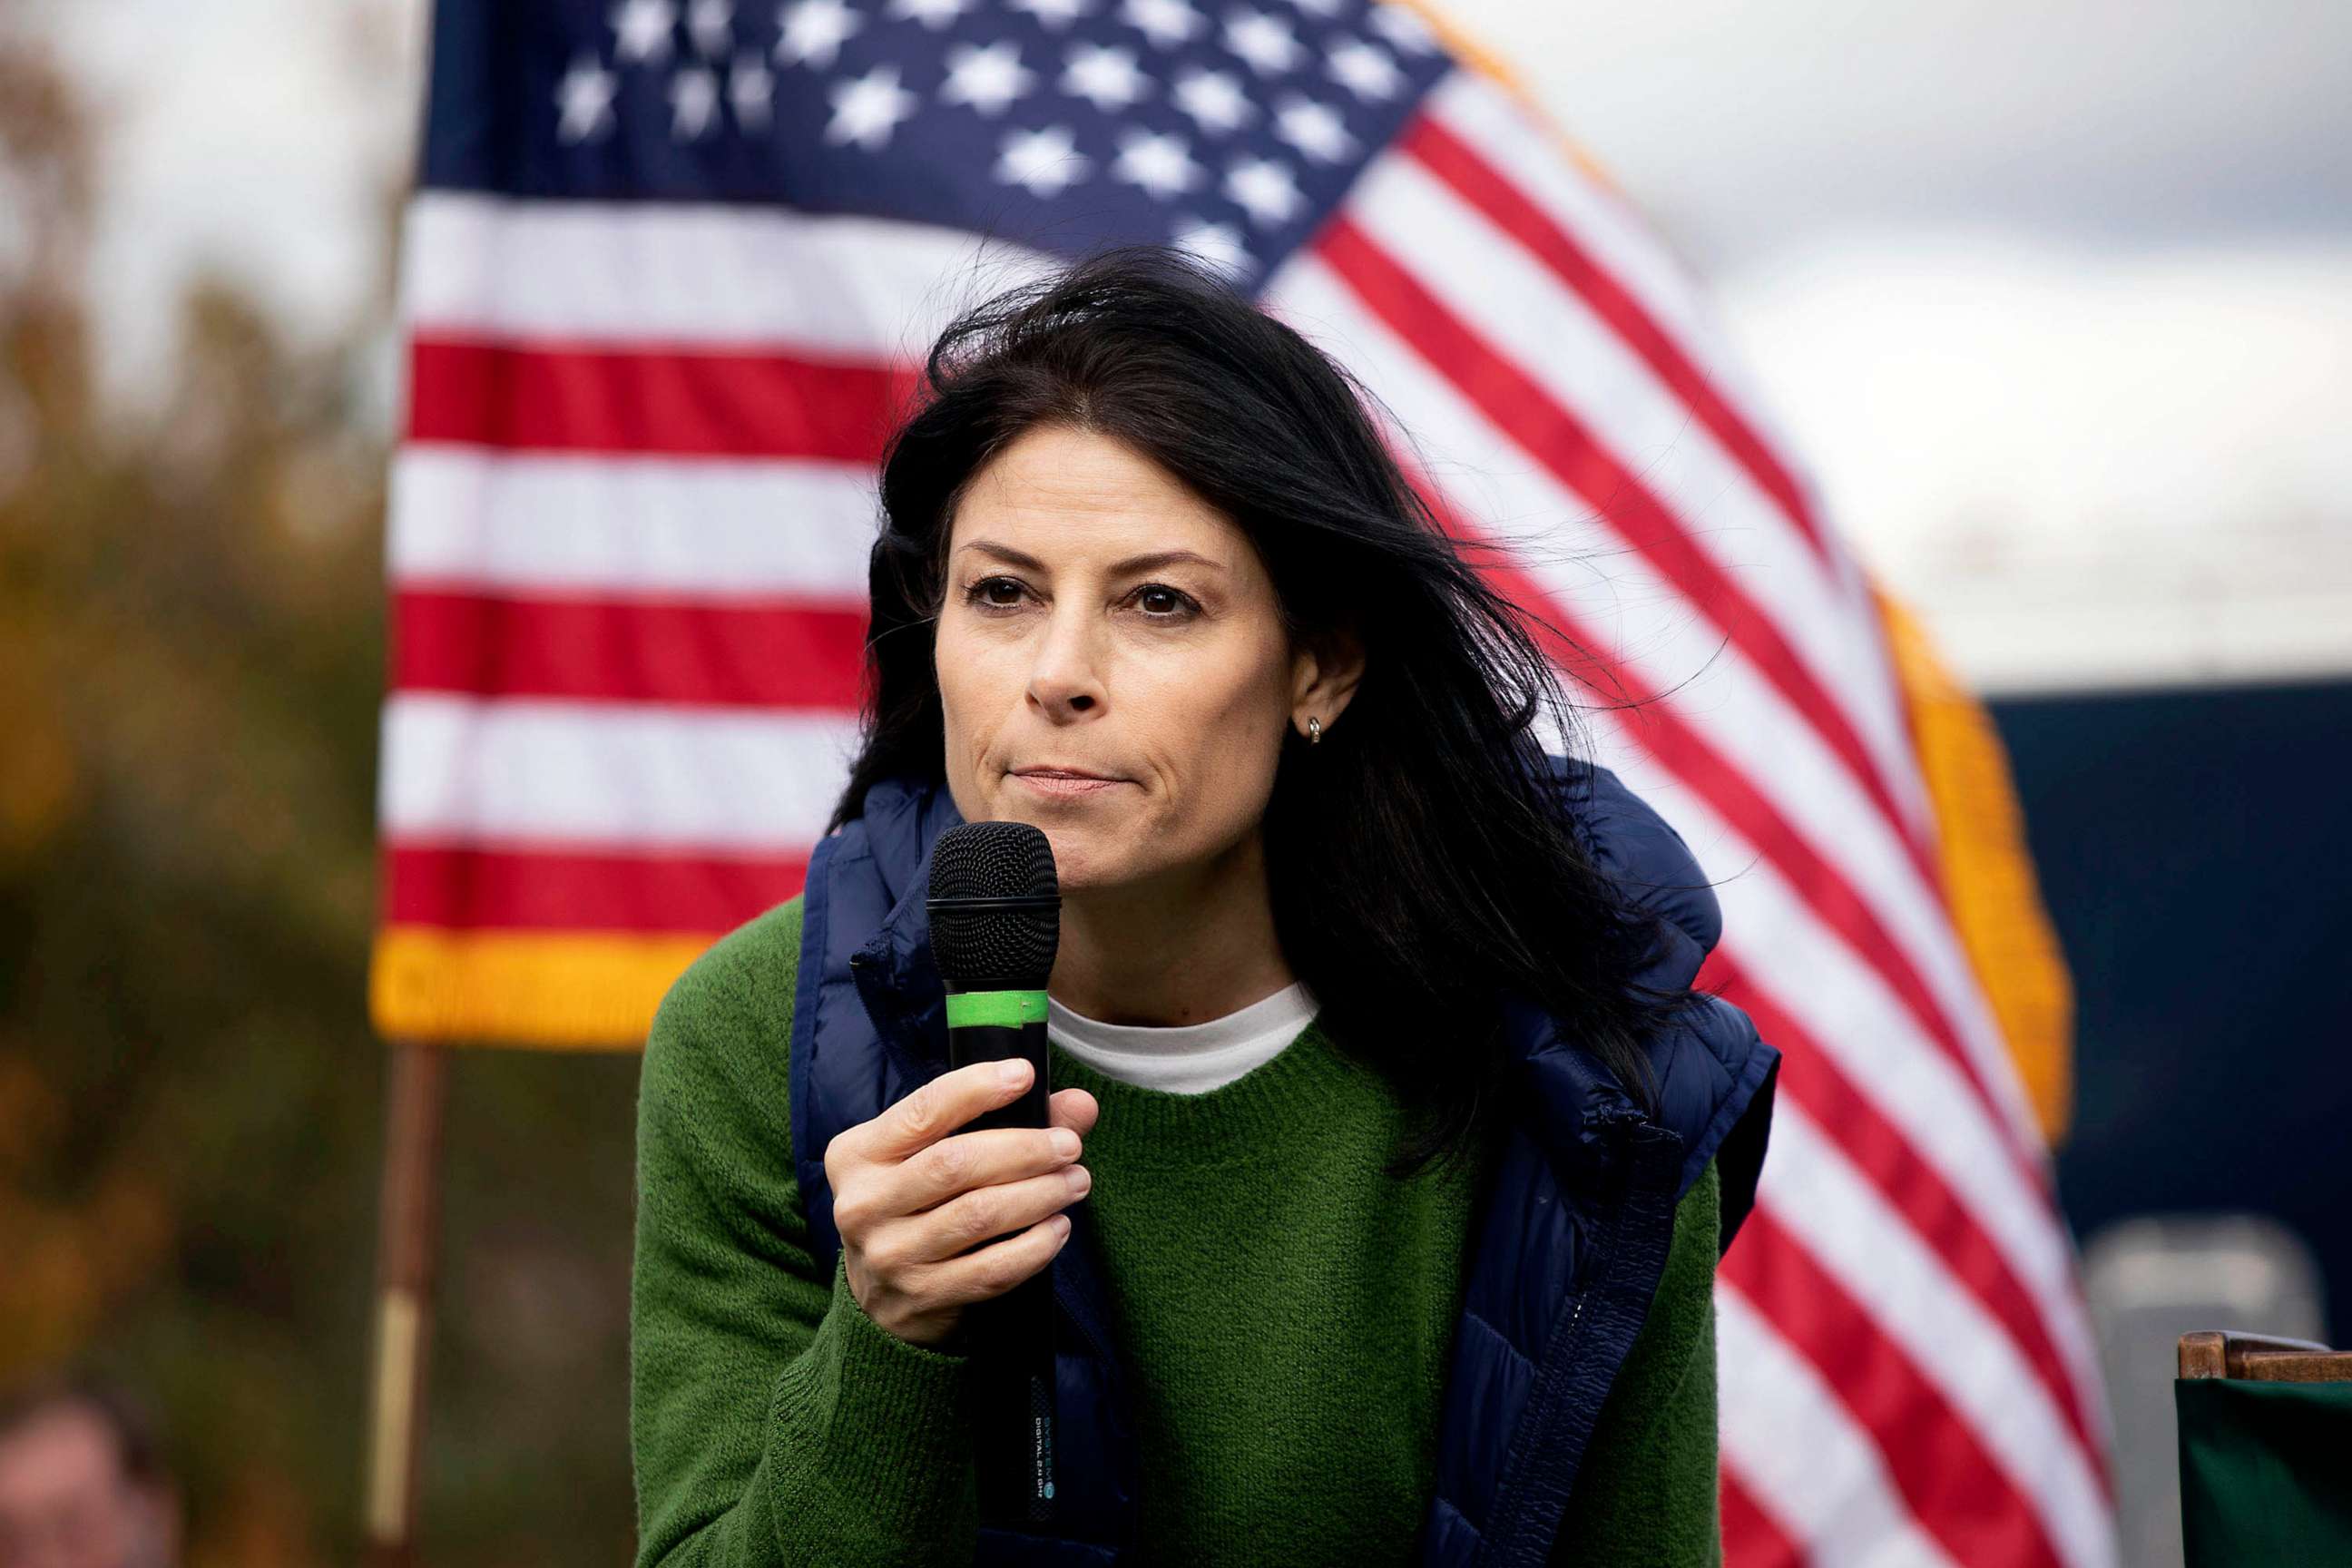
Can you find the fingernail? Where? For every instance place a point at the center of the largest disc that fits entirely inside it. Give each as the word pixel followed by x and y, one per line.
pixel 1016 1070
pixel 1062 1224
pixel 1080 1179
pixel 1065 1141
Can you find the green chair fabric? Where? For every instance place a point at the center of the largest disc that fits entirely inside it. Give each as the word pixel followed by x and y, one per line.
pixel 2265 1472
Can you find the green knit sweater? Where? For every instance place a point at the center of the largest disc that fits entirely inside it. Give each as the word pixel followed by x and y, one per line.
pixel 1285 1310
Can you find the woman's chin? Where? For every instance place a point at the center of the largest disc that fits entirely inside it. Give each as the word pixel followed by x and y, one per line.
pixel 1078 860
pixel 1087 858
pixel 1092 849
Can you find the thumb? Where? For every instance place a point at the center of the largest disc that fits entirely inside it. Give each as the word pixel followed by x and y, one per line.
pixel 1074 1109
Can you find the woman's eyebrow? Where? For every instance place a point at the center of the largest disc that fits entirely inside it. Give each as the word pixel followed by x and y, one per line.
pixel 1146 562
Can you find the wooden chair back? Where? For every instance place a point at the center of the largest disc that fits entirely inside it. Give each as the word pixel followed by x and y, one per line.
pixel 2213 1353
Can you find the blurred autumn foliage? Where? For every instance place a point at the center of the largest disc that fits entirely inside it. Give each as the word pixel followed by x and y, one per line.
pixel 191 1101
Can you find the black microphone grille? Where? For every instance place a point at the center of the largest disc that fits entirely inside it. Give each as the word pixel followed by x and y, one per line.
pixel 978 869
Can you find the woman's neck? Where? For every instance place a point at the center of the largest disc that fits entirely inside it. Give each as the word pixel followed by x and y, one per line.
pixel 1180 949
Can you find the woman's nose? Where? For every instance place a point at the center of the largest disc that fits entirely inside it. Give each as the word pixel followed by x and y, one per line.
pixel 1064 680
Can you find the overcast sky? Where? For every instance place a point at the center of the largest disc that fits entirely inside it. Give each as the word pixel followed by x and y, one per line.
pixel 2056 297
pixel 2104 122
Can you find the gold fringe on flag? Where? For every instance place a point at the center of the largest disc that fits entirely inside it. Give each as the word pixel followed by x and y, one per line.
pixel 1988 880
pixel 553 991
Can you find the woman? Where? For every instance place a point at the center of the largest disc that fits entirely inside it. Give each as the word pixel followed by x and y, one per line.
pixel 1391 1154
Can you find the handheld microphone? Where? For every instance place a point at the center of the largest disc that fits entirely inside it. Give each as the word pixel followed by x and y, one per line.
pixel 995 908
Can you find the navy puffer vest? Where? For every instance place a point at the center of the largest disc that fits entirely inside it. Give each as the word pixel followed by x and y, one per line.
pixel 1568 1243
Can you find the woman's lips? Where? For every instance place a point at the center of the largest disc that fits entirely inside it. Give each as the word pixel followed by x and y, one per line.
pixel 1066 785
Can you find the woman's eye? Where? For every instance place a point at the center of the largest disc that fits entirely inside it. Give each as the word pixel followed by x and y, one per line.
pixel 1160 602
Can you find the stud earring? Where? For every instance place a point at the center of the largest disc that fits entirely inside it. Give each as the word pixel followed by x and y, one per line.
pixel 1313 731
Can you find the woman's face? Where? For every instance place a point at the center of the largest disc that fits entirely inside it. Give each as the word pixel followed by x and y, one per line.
pixel 1101 618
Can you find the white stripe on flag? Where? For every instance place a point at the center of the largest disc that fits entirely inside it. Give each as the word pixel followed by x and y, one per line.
pixel 1782 950
pixel 1837 1215
pixel 465 517
pixel 670 274
pixel 616 775
pixel 1620 240
pixel 1529 318
pixel 1801 1454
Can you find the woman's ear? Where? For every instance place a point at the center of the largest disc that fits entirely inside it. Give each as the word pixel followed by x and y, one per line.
pixel 1324 673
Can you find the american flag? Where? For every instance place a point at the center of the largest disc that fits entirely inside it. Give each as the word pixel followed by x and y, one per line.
pixel 664 277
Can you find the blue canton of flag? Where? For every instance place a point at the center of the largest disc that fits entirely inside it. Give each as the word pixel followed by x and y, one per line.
pixel 1229 129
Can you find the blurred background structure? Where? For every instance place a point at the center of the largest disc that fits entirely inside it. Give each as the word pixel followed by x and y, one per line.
pixel 2056 298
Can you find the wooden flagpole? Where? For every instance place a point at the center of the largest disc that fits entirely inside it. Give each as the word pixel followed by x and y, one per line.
pixel 408 1256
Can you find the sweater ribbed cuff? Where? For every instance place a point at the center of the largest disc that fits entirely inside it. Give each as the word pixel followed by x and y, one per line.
pixel 883 1424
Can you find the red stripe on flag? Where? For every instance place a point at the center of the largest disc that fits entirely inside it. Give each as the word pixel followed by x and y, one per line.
pixel 1929 1208
pixel 551 888
pixel 1453 160
pixel 1656 726
pixel 1517 406
pixel 1750 1539
pixel 773 654
pixel 571 397
pixel 1949 1479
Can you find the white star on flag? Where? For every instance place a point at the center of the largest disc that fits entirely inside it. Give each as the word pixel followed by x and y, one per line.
pixel 1364 70
pixel 813 31
pixel 1218 244
pixel 931 14
pixel 584 103
pixel 1262 39
pixel 1315 129
pixel 711 22
pixel 1318 7
pixel 1157 161
pixel 1165 22
pixel 1044 163
pixel 693 102
pixel 1402 28
pixel 867 109
pixel 1264 188
pixel 641 30
pixel 1053 15
pixel 1214 100
pixel 1104 76
pixel 752 90
pixel 986 76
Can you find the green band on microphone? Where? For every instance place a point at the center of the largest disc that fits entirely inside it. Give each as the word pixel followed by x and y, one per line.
pixel 1010 1009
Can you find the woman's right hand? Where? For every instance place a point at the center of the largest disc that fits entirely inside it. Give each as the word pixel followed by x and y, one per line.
pixel 909 1199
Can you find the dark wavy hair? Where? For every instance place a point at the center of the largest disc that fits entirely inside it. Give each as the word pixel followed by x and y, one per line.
pixel 1422 865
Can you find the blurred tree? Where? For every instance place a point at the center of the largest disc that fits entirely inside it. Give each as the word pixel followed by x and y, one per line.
pixel 190 664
